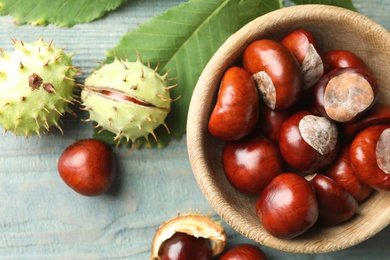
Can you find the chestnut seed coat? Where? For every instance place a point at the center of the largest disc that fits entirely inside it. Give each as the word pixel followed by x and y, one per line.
pixel 341 171
pixel 281 66
pixel 251 163
pixel 364 157
pixel 182 246
pixel 335 204
pixel 287 207
pixel 243 252
pixel 297 152
pixel 344 59
pixel 347 105
pixel 236 110
pixel 88 167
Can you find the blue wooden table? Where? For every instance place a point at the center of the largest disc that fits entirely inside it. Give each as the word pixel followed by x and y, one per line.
pixel 41 218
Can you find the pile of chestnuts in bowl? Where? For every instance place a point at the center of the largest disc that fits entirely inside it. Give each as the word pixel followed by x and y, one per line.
pixel 288 129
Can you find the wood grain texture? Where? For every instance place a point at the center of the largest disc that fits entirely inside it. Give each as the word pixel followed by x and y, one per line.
pixel 41 218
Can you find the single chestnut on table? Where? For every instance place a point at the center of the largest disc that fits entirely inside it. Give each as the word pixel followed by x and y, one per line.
pixel 304 46
pixel 87 166
pixel 276 71
pixel 243 252
pixel 370 156
pixel 237 108
pixel 251 163
pixel 287 207
pixel 308 142
pixel 342 172
pixel 345 94
pixel 335 205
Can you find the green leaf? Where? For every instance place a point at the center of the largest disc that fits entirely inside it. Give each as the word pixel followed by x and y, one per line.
pixel 341 3
pixel 182 40
pixel 59 12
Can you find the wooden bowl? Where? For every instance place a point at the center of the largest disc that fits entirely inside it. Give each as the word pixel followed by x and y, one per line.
pixel 334 28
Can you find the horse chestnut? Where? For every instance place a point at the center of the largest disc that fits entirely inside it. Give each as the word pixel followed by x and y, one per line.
pixel 308 142
pixel 87 166
pixel 251 163
pixel 243 252
pixel 345 94
pixel 378 114
pixel 335 205
pixel 287 207
pixel 344 59
pixel 304 47
pixel 271 121
pixel 370 156
pixel 276 71
pixel 341 171
pixel 237 108
pixel 182 246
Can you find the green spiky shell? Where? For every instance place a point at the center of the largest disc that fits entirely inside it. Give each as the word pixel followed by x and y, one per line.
pixel 36 86
pixel 126 118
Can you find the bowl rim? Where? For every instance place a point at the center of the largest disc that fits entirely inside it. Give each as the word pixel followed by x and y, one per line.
pixel 196 129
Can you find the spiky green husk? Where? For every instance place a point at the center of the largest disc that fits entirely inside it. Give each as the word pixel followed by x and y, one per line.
pixel 36 86
pixel 121 115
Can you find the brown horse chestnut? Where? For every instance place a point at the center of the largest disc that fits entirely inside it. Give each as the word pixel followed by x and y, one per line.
pixel 341 171
pixel 270 121
pixel 251 163
pixel 308 142
pixel 345 94
pixel 370 156
pixel 243 252
pixel 335 205
pixel 237 108
pixel 182 246
pixel 304 46
pixel 87 166
pixel 287 207
pixel 344 59
pixel 378 114
pixel 276 71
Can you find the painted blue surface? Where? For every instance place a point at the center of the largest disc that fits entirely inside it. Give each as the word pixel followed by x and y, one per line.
pixel 41 218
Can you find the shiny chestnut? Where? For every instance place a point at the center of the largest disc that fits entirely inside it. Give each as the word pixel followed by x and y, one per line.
pixel 308 142
pixel 345 94
pixel 344 59
pixel 378 114
pixel 287 207
pixel 243 252
pixel 251 163
pixel 341 171
pixel 335 205
pixel 276 71
pixel 270 121
pixel 370 156
pixel 304 46
pixel 237 107
pixel 182 246
pixel 88 167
